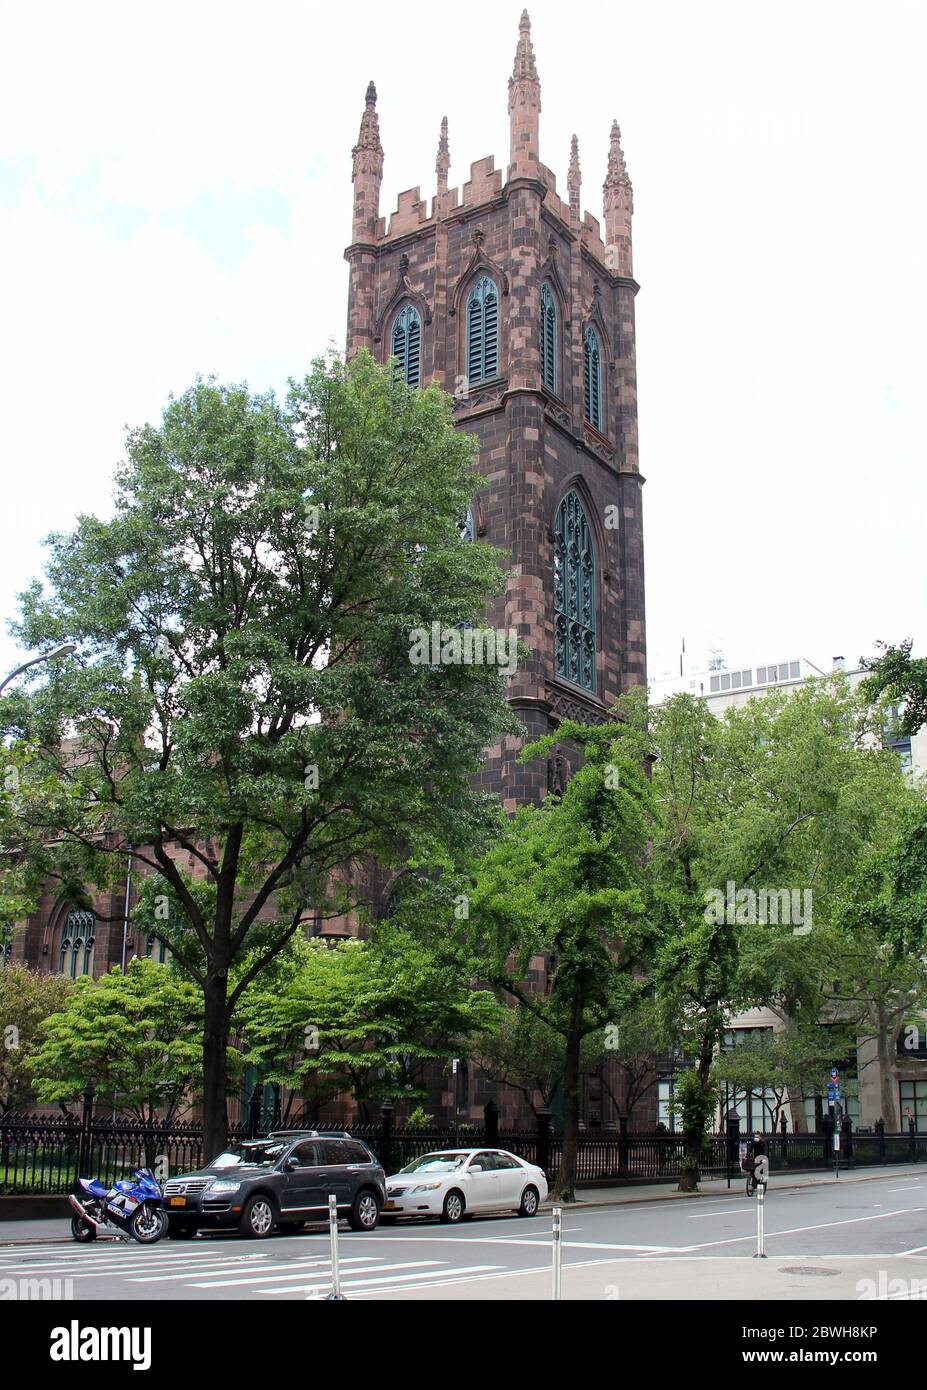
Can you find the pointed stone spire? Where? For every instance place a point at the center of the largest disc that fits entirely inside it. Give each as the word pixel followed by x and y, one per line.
pixel 367 171
pixel 618 206
pixel 574 179
pixel 443 162
pixel 524 105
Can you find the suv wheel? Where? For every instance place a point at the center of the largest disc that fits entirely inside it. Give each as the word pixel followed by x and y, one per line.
pixel 257 1219
pixel 453 1207
pixel 365 1211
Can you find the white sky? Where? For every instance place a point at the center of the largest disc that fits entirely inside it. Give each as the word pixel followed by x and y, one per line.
pixel 175 198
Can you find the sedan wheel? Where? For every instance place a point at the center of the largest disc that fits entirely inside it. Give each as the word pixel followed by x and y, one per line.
pixel 530 1201
pixel 257 1219
pixel 453 1208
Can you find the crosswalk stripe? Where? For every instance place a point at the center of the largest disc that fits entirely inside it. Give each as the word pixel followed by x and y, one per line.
pixel 393 1279
pixel 129 1265
pixel 221 1268
pixel 275 1278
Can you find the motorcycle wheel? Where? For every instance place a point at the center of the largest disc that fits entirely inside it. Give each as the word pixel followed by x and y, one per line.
pixel 82 1231
pixel 147 1224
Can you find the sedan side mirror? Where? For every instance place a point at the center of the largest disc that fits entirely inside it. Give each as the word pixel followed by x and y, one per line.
pixel 475 1168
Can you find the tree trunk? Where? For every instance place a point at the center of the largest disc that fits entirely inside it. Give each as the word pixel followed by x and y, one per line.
pixel 796 1102
pixel 694 1134
pixel 567 1174
pixel 215 1065
pixel 888 1090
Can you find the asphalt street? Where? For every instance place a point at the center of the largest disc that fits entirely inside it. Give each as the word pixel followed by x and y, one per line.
pixel 851 1241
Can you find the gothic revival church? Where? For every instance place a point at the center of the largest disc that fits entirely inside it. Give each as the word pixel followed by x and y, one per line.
pixel 522 306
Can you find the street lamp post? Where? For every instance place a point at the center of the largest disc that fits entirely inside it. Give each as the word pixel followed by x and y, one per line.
pixel 66 649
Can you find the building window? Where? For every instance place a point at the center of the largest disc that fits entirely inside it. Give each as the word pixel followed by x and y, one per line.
pixel 466 526
pixel 666 1115
pixel 913 1096
pixel 407 346
pixel 6 952
pixel 483 331
pixel 574 594
pixel 592 382
pixel 548 339
pixel 75 951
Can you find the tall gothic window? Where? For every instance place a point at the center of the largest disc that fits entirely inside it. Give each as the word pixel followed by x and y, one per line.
pixel 483 331
pixel 75 949
pixel 574 594
pixel 407 346
pixel 548 339
pixel 592 380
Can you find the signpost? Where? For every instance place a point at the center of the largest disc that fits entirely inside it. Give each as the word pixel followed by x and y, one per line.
pixel 761 1176
pixel 834 1097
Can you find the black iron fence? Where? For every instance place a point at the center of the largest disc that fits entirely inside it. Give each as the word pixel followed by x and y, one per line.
pixel 42 1154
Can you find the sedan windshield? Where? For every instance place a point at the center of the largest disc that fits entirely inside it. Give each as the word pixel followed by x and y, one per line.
pixel 436 1163
pixel 249 1155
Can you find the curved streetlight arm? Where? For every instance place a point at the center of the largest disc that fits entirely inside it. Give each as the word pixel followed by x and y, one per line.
pixel 64 650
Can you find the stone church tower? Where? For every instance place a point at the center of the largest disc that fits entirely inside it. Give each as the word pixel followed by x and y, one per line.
pixel 523 308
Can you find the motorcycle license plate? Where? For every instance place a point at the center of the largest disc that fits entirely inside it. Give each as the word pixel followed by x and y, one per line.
pixel 178 1201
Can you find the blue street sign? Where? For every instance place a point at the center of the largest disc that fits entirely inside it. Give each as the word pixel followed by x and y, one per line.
pixel 833 1092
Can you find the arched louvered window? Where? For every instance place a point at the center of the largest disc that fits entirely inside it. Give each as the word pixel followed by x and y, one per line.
pixel 75 952
pixel 548 339
pixel 483 331
pixel 466 526
pixel 592 380
pixel 407 346
pixel 574 594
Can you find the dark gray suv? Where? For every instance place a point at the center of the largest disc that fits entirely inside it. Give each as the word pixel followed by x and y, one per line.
pixel 282 1181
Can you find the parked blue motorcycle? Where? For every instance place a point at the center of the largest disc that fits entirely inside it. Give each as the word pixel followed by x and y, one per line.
pixel 134 1208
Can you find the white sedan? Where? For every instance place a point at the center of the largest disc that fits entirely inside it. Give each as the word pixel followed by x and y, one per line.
pixel 455 1183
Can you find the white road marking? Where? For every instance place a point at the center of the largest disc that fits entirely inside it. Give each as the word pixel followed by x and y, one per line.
pixel 734 1211
pixel 313 1274
pixel 293 1266
pixel 375 1283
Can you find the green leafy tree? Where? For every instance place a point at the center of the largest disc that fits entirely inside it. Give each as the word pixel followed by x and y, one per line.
pixel 879 971
pixel 244 712
pixel 359 1018
pixel 783 794
pixel 524 1053
pixel 898 677
pixel 629 1052
pixel 568 881
pixel 136 1036
pixel 26 998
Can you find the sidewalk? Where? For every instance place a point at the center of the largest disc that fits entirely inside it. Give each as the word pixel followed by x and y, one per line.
pixel 35 1232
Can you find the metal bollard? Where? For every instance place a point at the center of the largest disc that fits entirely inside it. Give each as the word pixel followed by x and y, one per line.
pixel 333 1237
pixel 760 1231
pixel 557 1254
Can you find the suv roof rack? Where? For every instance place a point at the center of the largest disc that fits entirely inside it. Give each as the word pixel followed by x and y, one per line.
pixel 309 1134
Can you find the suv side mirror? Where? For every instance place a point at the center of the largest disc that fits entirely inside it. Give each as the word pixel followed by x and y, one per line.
pixel 291 1164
